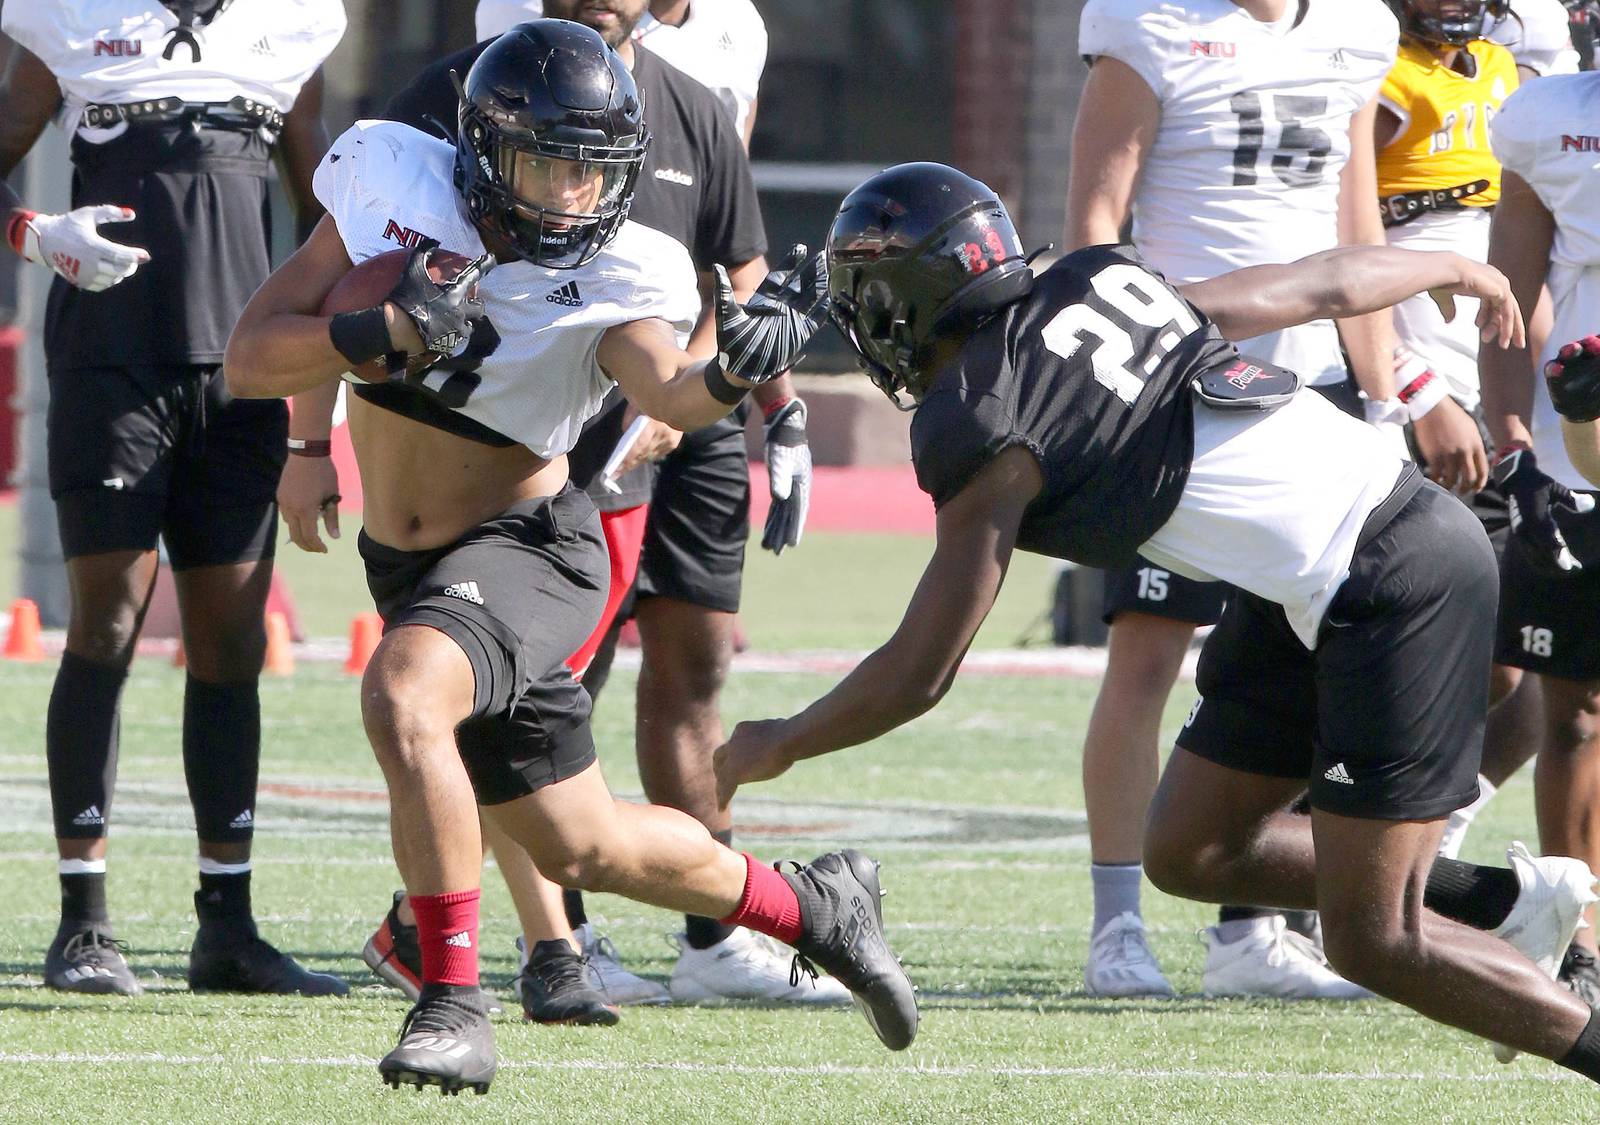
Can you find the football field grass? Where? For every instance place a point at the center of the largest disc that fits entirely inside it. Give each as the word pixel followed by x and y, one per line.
pixel 975 810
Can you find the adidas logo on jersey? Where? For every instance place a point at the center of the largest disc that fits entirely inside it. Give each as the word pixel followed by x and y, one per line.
pixel 1340 774
pixel 463 940
pixel 262 46
pixel 1337 60
pixel 673 176
pixel 466 591
pixel 567 295
pixel 726 42
pixel 245 819
pixel 89 817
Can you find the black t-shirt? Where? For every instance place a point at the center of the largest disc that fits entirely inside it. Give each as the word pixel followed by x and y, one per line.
pixel 695 185
pixel 1092 372
pixel 200 201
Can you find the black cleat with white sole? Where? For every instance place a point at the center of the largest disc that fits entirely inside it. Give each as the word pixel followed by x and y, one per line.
pixel 841 929
pixel 84 957
pixel 228 955
pixel 445 1041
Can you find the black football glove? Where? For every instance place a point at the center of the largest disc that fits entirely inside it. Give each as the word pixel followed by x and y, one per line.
pixel 1538 505
pixel 788 476
pixel 1574 380
pixel 440 310
pixel 762 338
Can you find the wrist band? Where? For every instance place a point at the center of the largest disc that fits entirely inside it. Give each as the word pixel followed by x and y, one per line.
pixel 360 336
pixel 311 447
pixel 17 227
pixel 720 389
pixel 772 408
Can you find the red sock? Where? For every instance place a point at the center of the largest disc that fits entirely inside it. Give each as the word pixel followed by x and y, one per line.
pixel 447 930
pixel 768 905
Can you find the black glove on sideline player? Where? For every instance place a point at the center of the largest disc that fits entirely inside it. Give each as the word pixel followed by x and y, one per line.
pixel 1538 504
pixel 1574 380
pixel 441 310
pixel 762 338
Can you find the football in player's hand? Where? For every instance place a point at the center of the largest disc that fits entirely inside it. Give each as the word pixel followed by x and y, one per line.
pixel 370 281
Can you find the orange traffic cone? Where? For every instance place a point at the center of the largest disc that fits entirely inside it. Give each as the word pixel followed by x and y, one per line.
pixel 366 629
pixel 22 642
pixel 280 647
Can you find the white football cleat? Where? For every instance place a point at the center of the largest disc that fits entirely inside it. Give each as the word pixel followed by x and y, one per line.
pixel 1120 962
pixel 605 969
pixel 748 966
pixel 1272 960
pixel 1548 911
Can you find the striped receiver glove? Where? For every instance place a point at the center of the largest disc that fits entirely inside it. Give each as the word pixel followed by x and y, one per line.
pixel 788 474
pixel 1541 508
pixel 762 338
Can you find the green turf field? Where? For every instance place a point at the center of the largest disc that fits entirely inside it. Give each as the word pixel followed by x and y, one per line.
pixel 976 811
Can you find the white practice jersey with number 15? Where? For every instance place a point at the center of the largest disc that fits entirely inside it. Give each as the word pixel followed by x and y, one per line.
pixel 529 371
pixel 1254 133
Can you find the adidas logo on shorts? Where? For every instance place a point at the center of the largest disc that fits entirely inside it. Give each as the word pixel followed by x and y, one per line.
pixel 567 295
pixel 463 940
pixel 1340 774
pixel 245 819
pixel 89 817
pixel 466 591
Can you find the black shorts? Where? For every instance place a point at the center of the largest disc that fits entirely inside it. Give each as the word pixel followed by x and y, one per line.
pixel 519 593
pixel 1146 588
pixel 1385 718
pixel 1549 618
pixel 141 452
pixel 700 519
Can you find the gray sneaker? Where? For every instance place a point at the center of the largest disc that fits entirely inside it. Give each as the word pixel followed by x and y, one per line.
pixel 85 957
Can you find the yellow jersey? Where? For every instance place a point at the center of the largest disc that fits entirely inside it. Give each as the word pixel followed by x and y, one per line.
pixel 1444 115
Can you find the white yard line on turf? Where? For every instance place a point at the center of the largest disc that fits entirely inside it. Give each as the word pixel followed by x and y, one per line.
pixel 157 1058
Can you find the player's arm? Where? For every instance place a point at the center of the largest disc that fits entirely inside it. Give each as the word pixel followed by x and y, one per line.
pixel 910 673
pixel 27 99
pixel 1369 340
pixel 1582 440
pixel 300 146
pixel 1519 245
pixel 1351 281
pixel 1117 120
pixel 309 485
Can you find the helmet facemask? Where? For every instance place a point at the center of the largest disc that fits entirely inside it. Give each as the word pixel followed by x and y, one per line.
pixel 1450 30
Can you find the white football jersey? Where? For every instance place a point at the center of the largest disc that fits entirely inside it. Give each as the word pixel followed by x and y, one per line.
pixel 1538 36
pixel 722 44
pixel 387 186
pixel 1255 131
pixel 111 51
pixel 1548 132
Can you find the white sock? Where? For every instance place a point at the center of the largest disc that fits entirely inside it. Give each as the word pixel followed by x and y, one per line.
pixel 81 866
pixel 1455 830
pixel 213 867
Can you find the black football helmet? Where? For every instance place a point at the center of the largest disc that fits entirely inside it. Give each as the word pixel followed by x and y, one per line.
pixel 549 142
pixel 1458 24
pixel 915 253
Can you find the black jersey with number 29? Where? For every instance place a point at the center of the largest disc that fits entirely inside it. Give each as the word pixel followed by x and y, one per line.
pixel 1092 372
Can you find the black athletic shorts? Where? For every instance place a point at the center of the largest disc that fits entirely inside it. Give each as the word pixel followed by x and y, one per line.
pixel 1549 618
pixel 1385 718
pixel 137 452
pixel 1147 588
pixel 519 593
pixel 700 519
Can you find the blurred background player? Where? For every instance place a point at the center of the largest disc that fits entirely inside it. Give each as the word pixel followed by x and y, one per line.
pixel 175 116
pixel 1546 231
pixel 1231 134
pixel 1538 33
pixel 693 545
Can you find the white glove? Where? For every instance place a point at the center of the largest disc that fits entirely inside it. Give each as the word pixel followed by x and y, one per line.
pixel 73 247
pixel 788 476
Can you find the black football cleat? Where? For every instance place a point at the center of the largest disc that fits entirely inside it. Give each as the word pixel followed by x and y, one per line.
pixel 228 955
pixel 84 957
pixel 1580 975
pixel 841 925
pixel 445 1041
pixel 555 988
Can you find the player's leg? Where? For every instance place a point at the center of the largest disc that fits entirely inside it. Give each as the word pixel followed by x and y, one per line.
pixel 1567 776
pixel 109 442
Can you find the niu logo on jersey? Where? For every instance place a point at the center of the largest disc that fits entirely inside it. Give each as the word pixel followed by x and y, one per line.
pixel 405 236
pixel 118 48
pixel 1212 49
pixel 1583 142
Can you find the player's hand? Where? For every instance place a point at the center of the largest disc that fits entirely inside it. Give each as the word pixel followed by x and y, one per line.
pixel 657 440
pixel 788 475
pixel 440 311
pixel 1573 378
pixel 1451 448
pixel 762 338
pixel 1499 319
pixel 1538 505
pixel 73 247
pixel 754 753
pixel 307 490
